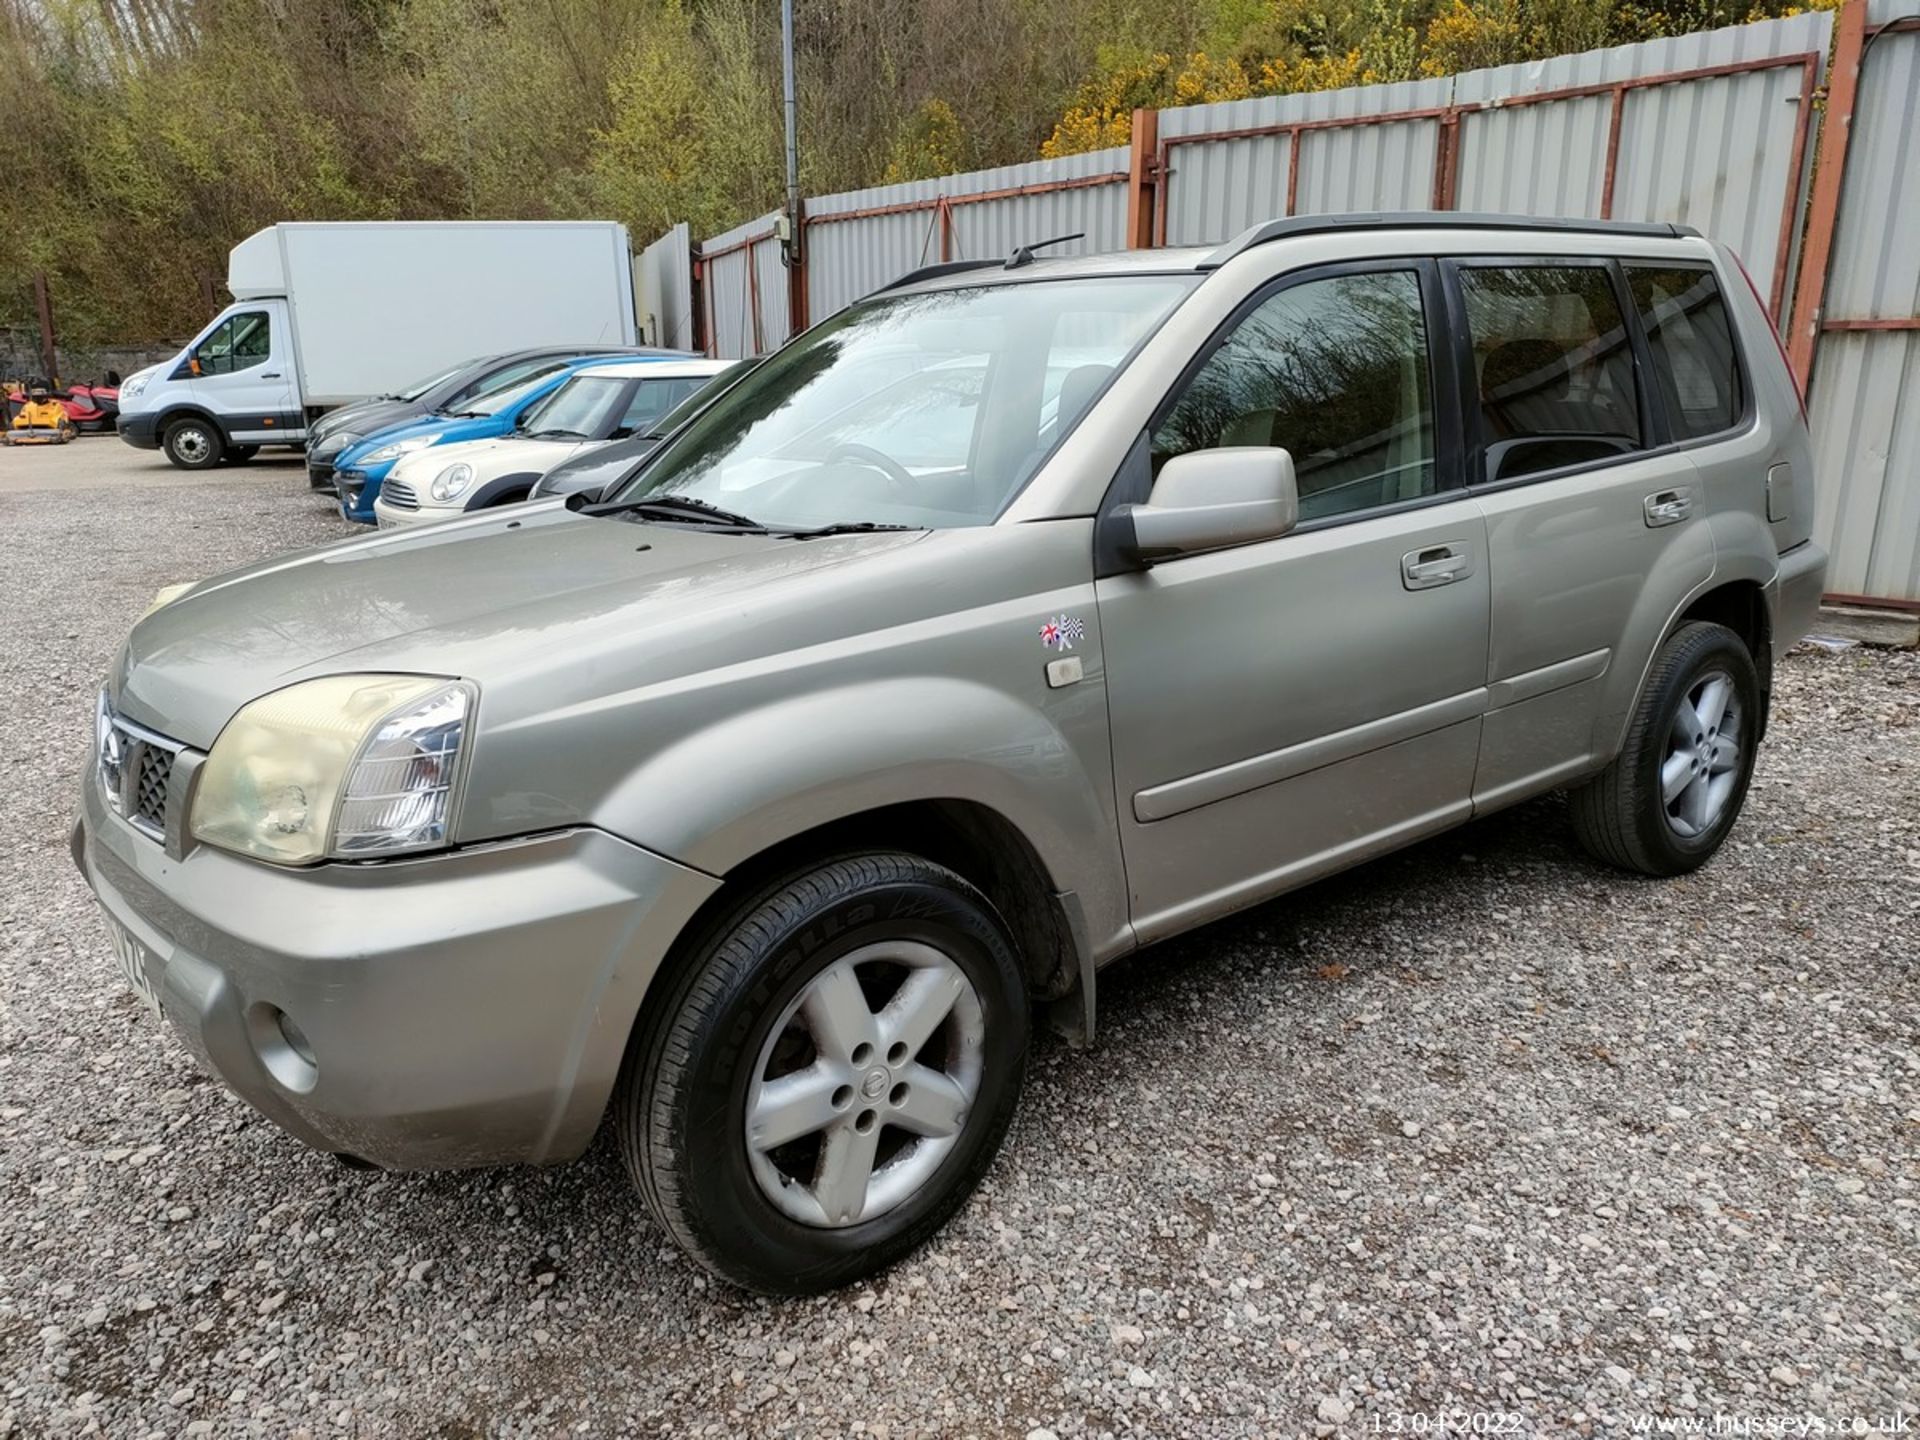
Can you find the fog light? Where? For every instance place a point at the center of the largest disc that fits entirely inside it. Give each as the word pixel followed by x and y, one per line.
pixel 295 1037
pixel 283 1048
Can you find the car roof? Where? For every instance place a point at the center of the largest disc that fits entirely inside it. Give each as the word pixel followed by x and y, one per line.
pixel 584 352
pixel 956 274
pixel 660 369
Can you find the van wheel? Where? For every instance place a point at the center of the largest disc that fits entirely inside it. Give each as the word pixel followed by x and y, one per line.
pixel 239 454
pixel 827 1080
pixel 1666 803
pixel 192 444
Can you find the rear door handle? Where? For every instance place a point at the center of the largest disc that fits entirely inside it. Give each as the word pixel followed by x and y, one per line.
pixel 1667 507
pixel 1433 565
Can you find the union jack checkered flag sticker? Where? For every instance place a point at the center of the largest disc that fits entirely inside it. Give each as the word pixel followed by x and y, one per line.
pixel 1061 631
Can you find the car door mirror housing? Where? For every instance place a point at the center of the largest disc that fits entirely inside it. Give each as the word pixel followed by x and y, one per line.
pixel 1210 500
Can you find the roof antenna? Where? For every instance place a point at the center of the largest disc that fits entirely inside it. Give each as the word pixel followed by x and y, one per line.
pixel 1023 255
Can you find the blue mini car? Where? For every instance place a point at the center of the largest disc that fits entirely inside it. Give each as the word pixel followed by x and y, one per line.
pixel 359 469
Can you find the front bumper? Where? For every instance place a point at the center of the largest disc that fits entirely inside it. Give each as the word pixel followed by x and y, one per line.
pixel 320 469
pixel 390 517
pixel 469 1008
pixel 357 491
pixel 140 430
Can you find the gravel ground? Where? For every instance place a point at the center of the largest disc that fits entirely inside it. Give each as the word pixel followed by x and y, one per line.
pixel 1481 1128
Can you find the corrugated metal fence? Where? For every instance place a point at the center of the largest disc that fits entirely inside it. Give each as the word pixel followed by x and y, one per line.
pixel 744 289
pixel 1716 130
pixel 859 241
pixel 1865 396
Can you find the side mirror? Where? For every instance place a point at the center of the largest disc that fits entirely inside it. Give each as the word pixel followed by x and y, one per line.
pixel 1211 499
pixel 193 367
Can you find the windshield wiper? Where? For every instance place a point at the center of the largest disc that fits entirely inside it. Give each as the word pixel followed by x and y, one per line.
pixel 556 435
pixel 679 507
pixel 846 527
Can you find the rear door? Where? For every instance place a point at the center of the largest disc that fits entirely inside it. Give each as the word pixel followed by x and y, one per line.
pixel 1595 524
pixel 1282 709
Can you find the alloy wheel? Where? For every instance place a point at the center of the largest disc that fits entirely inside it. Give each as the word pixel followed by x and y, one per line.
pixel 1701 771
pixel 865 1084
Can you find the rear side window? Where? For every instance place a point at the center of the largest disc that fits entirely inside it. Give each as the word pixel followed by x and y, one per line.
pixel 1695 363
pixel 1554 366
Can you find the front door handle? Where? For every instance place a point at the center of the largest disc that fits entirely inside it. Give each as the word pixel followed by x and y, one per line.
pixel 1667 507
pixel 1435 565
pixel 270 375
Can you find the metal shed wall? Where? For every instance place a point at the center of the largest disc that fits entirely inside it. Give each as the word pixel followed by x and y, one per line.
pixel 663 289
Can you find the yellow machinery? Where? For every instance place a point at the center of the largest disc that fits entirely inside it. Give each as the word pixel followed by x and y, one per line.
pixel 41 421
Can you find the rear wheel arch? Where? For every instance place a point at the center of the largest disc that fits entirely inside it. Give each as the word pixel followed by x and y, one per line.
pixel 1741 606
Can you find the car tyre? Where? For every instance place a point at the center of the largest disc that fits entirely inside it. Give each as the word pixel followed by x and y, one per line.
pixel 768 1019
pixel 239 454
pixel 193 444
pixel 1668 800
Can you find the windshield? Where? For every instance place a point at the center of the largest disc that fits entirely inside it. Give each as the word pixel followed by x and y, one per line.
pixel 709 391
pixel 577 409
pixel 415 391
pixel 506 398
pixel 926 410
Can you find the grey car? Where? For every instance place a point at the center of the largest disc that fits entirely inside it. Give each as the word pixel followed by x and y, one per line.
pixel 1008 621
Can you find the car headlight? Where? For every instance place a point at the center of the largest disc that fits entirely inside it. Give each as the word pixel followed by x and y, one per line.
pixel 133 385
pixel 396 450
pixel 334 444
pixel 344 767
pixel 451 482
pixel 166 595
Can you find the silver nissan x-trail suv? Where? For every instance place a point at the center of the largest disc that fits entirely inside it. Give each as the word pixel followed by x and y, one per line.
pixel 1011 619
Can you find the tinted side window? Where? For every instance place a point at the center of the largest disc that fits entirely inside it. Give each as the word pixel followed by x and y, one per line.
pixel 1554 366
pixel 1334 370
pixel 1691 340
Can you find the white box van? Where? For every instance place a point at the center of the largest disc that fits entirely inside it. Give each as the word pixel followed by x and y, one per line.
pixel 325 314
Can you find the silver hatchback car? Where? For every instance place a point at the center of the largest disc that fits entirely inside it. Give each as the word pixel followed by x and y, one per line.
pixel 1014 618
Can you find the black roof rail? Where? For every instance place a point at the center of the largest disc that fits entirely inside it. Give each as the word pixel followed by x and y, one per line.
pixel 1433 220
pixel 934 272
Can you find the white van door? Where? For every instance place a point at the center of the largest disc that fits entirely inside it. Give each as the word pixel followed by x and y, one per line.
pixel 242 371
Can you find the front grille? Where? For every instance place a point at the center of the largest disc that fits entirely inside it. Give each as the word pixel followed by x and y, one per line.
pixel 136 770
pixel 150 787
pixel 400 495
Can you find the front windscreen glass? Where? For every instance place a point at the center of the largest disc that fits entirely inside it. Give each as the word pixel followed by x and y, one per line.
pixel 577 410
pixel 506 398
pixel 926 410
pixel 433 382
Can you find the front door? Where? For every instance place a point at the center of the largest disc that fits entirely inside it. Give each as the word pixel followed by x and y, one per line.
pixel 1284 708
pixel 243 372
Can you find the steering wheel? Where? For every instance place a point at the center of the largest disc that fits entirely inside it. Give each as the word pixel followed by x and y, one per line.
pixel 898 476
